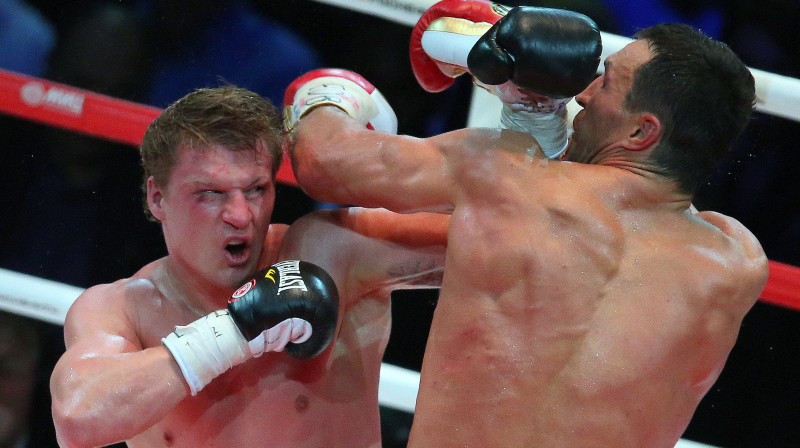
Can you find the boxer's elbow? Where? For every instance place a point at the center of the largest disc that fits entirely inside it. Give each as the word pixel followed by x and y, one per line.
pixel 71 430
pixel 69 438
pixel 321 165
pixel 75 427
pixel 78 418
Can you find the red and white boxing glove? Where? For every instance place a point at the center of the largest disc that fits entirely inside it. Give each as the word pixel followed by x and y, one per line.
pixel 344 89
pixel 443 37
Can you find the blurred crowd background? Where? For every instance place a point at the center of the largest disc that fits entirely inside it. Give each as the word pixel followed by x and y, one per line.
pixel 74 209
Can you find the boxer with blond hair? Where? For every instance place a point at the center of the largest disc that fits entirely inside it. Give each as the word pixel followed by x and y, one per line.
pixel 247 333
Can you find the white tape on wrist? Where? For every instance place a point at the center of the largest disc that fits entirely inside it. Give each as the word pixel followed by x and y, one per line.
pixel 550 129
pixel 206 348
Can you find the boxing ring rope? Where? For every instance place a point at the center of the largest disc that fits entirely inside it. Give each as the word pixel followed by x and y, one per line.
pixel 83 111
pixel 775 94
pixel 125 122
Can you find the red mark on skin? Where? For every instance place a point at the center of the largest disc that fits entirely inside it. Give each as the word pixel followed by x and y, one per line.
pixel 301 403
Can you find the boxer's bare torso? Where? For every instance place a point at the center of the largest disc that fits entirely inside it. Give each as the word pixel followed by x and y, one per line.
pixel 276 400
pixel 582 305
pixel 572 309
pixel 273 400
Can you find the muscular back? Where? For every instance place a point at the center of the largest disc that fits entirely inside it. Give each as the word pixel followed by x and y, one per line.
pixel 582 305
pixel 578 309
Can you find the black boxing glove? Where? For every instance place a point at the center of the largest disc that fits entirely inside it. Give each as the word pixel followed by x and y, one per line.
pixel 288 292
pixel 553 52
pixel 291 305
pixel 535 60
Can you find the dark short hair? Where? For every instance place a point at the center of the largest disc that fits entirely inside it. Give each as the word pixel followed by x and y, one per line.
pixel 229 116
pixel 702 93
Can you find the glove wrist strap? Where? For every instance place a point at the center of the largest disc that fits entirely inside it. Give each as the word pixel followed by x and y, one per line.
pixel 206 348
pixel 331 91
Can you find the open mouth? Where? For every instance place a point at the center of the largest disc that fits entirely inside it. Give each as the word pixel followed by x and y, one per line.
pixel 238 252
pixel 236 249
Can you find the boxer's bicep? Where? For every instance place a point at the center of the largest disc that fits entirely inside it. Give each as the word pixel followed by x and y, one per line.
pixel 105 387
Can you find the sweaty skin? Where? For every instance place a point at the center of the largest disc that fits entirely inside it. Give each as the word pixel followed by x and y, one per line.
pixel 118 382
pixel 582 305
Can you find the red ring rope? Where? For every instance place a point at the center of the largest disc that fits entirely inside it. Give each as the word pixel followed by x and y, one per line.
pixel 102 116
pixel 80 110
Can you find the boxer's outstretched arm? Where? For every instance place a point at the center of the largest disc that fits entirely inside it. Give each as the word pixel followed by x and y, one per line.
pixel 372 251
pixel 336 159
pixel 344 152
pixel 106 388
pixel 342 139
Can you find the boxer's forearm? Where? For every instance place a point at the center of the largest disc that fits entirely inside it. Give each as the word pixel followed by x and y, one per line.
pixel 104 399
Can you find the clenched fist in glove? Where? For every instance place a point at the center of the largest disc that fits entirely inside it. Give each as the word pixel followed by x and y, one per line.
pixel 534 59
pixel 344 89
pixel 292 305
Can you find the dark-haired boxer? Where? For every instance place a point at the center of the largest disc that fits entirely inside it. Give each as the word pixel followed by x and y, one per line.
pixel 195 349
pixel 583 304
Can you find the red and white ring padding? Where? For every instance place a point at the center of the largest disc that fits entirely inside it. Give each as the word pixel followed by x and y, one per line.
pixel 83 111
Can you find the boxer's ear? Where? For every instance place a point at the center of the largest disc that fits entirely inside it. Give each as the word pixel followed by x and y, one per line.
pixel 155 198
pixel 645 135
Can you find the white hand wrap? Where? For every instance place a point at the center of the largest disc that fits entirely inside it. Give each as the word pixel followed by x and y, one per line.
pixel 542 117
pixel 549 128
pixel 206 348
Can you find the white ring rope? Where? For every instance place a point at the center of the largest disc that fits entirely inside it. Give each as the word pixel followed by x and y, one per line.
pixel 35 297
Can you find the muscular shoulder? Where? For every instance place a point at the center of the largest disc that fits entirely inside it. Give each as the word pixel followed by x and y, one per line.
pixel 112 297
pixel 744 240
pixel 477 155
pixel 111 308
pixel 739 252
